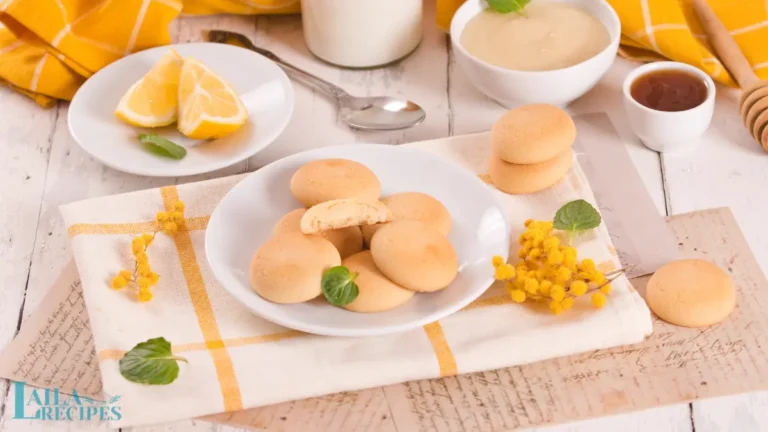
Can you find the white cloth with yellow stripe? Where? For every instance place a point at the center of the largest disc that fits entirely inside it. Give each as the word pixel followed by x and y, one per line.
pixel 238 360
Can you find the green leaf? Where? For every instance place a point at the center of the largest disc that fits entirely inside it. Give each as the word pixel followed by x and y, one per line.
pixel 339 286
pixel 576 216
pixel 151 362
pixel 506 6
pixel 162 146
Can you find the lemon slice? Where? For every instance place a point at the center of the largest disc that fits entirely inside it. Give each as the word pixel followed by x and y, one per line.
pixel 153 100
pixel 208 105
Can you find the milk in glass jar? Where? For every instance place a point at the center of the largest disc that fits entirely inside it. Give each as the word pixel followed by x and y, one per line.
pixel 361 33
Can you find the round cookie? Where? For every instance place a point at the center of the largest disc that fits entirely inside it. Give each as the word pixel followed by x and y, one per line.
pixel 347 241
pixel 523 179
pixel 342 213
pixel 414 255
pixel 532 134
pixel 414 206
pixel 328 179
pixel 289 222
pixel 691 293
pixel 288 268
pixel 377 293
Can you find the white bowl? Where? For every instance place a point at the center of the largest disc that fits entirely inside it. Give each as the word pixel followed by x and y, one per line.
pixel 557 87
pixel 665 131
pixel 244 218
pixel 263 87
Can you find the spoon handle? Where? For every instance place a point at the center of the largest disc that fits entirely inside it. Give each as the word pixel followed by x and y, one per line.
pixel 726 48
pixel 232 38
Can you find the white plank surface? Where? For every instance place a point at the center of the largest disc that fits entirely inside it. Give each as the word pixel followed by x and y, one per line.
pixel 25 144
pixel 748 412
pixel 727 169
pixel 40 169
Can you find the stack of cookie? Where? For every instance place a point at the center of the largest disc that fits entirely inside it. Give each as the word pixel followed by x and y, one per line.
pixel 531 148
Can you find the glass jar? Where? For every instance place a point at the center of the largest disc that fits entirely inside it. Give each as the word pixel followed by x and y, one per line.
pixel 361 33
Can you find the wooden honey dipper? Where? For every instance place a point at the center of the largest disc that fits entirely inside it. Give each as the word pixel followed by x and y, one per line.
pixel 753 103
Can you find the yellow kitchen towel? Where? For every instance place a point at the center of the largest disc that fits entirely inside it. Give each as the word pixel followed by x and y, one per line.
pixel 243 7
pixel 238 360
pixel 49 47
pixel 667 29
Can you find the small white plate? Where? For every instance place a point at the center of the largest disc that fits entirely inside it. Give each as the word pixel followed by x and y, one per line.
pixel 263 86
pixel 244 218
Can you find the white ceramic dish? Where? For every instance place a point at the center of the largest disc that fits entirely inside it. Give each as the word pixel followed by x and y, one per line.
pixel 557 87
pixel 262 85
pixel 664 131
pixel 244 218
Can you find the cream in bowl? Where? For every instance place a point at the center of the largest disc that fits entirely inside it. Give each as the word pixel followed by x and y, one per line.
pixel 549 36
pixel 552 52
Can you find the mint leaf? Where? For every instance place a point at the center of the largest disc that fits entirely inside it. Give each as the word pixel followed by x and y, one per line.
pixel 339 286
pixel 577 215
pixel 151 362
pixel 162 146
pixel 506 6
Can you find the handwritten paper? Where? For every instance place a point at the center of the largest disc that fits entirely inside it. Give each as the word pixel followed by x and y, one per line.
pixel 637 230
pixel 54 348
pixel 673 365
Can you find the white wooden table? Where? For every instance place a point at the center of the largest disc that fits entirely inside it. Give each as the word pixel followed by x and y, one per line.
pixel 41 168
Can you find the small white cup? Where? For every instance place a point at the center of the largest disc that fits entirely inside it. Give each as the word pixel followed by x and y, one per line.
pixel 665 131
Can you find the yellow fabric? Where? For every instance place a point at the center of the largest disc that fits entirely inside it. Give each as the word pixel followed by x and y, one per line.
pixel 668 29
pixel 243 7
pixel 49 47
pixel 445 11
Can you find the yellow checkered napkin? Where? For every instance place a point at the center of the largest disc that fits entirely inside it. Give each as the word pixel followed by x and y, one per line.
pixel 245 7
pixel 657 29
pixel 669 29
pixel 49 47
pixel 238 360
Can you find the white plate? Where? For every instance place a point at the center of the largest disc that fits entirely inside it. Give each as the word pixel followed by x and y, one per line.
pixel 244 218
pixel 263 86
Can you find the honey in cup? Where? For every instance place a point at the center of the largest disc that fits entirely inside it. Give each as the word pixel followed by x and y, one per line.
pixel 669 90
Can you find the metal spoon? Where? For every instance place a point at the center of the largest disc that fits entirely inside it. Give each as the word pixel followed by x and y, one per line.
pixel 368 113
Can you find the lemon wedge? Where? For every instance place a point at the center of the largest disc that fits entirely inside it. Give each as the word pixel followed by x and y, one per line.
pixel 208 105
pixel 152 101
